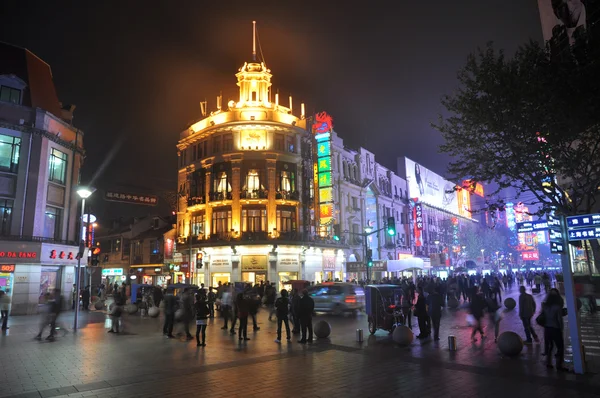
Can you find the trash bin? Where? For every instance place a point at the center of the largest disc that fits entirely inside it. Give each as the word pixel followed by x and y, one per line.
pixel 452 343
pixel 359 335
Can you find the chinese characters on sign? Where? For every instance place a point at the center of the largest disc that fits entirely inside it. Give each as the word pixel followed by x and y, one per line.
pixel 418 222
pixel 322 131
pixel 7 268
pixel 584 234
pixel 530 256
pixel 148 200
pixel 586 220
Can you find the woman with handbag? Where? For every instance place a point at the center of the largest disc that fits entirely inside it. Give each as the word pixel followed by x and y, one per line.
pixel 552 319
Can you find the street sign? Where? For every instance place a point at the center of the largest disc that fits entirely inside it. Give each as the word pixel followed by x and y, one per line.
pixel 584 234
pixel 557 247
pixel 585 220
pixel 137 199
pixel 531 226
pixel 555 236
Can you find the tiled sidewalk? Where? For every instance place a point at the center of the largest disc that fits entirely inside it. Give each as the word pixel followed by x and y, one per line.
pixel 93 362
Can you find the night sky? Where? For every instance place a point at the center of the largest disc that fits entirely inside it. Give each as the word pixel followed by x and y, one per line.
pixel 137 70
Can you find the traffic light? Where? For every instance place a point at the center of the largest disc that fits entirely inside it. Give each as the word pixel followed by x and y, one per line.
pixel 336 232
pixel 391 226
pixel 369 258
pixel 199 257
pixel 94 262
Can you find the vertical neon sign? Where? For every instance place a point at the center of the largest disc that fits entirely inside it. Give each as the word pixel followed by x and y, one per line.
pixel 322 131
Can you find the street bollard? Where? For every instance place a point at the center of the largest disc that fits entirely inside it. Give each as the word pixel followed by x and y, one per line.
pixel 359 335
pixel 452 343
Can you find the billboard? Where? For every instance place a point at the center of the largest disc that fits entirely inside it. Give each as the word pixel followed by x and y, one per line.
pixel 322 130
pixel 562 20
pixel 430 188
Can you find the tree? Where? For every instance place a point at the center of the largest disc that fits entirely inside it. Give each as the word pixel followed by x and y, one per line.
pixel 475 238
pixel 530 123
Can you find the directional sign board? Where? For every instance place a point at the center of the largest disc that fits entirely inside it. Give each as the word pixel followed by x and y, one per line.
pixel 148 200
pixel 586 220
pixel 584 234
pixel 555 236
pixel 557 247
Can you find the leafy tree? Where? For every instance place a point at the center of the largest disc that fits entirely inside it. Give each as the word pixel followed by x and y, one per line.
pixel 531 123
pixel 475 238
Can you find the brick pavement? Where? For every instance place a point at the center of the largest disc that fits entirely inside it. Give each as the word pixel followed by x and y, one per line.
pixel 143 363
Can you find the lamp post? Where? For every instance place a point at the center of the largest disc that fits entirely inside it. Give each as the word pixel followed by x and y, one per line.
pixel 84 193
pixel 368 230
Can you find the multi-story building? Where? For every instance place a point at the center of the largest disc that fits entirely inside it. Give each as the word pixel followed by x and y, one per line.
pixel 366 196
pixel 246 209
pixel 138 251
pixel 40 157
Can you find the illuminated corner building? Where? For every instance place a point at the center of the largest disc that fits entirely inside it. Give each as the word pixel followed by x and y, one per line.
pixel 366 195
pixel 246 192
pixel 439 209
pixel 40 157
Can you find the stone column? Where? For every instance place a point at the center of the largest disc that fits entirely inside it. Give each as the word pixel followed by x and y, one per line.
pixel 271 204
pixel 235 196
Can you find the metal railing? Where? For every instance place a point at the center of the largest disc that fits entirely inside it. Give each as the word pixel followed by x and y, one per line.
pixel 40 239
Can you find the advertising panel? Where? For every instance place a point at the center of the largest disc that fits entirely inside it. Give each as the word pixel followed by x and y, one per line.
pixel 430 188
pixel 563 19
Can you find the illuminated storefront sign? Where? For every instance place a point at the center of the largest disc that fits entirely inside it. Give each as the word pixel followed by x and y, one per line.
pixel 473 187
pixel 530 256
pixel 112 272
pixel 418 222
pixel 253 139
pixel 322 130
pixel 7 268
pixel 254 263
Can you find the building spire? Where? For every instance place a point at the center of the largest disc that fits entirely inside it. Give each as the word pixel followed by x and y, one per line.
pixel 254 41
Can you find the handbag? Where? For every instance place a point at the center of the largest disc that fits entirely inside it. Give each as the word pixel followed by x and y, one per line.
pixel 541 319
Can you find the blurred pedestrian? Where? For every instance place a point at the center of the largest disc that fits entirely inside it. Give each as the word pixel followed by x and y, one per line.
pixel 422 315
pixel 553 329
pixel 295 309
pixel 282 307
pixel 241 304
pixel 170 308
pixel 117 311
pixel 226 303
pixel 435 303
pixel 85 298
pixel 202 312
pixel 211 298
pixel 305 310
pixel 50 315
pixel 527 308
pixel 4 308
pixel 477 308
pixel 187 305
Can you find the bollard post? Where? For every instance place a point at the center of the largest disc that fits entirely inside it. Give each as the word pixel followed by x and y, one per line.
pixel 359 335
pixel 452 343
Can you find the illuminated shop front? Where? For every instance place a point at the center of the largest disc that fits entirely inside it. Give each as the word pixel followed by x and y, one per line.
pixel 29 270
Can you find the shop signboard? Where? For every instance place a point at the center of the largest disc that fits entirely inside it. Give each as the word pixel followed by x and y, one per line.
pixel 254 263
pixel 61 254
pixel 355 267
pixel 112 272
pixel 328 263
pixel 9 268
pixel 530 256
pixel 289 260
pixel 20 252
pixel 322 130
pixel 220 262
pixel 137 199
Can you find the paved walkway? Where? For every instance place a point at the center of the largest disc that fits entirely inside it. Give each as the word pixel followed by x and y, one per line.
pixel 143 363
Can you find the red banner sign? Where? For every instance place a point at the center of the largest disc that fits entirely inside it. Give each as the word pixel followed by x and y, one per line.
pixel 530 256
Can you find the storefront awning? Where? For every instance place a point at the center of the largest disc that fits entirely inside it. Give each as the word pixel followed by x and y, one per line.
pixel 159 265
pixel 407 264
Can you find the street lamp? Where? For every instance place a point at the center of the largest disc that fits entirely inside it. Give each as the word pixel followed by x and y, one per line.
pixel 84 193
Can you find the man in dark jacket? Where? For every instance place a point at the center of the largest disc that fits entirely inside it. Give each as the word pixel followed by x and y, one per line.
pixel 170 308
pixel 526 311
pixel 295 307
pixel 435 301
pixel 282 308
pixel 477 307
pixel 85 298
pixel 422 315
pixel 305 311
pixel 187 303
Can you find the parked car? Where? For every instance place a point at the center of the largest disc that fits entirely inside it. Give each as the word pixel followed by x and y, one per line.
pixel 337 297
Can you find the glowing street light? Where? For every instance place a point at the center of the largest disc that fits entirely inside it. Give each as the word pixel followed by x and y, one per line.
pixel 84 193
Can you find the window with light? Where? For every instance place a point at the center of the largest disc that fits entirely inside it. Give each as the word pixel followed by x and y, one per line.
pixel 286 220
pixel 9 153
pixel 254 220
pixel 58 166
pixel 223 184
pixel 6 207
pixel 52 223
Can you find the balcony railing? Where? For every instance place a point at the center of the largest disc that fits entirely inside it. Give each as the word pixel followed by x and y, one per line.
pixel 41 239
pixel 262 236
pixel 256 194
pixel 156 258
pixel 287 195
pixel 217 196
pixel 196 200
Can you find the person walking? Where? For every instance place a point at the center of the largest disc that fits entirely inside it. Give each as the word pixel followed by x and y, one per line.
pixel 170 308
pixel 241 304
pixel 202 312
pixel 435 302
pixel 527 308
pixel 553 329
pixel 407 304
pixel 85 298
pixel 537 279
pixel 295 308
pixel 477 308
pixel 4 308
pixel 305 310
pixel 54 307
pixel 187 304
pixel 282 308
pixel 211 298
pixel 422 315
pixel 115 315
pixel 495 314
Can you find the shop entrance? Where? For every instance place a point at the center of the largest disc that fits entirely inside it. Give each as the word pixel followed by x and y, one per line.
pixel 223 277
pixel 254 277
pixel 49 280
pixel 285 277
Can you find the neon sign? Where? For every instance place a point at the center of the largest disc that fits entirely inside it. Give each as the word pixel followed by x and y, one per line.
pixel 323 123
pixel 18 254
pixel 322 130
pixel 7 268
